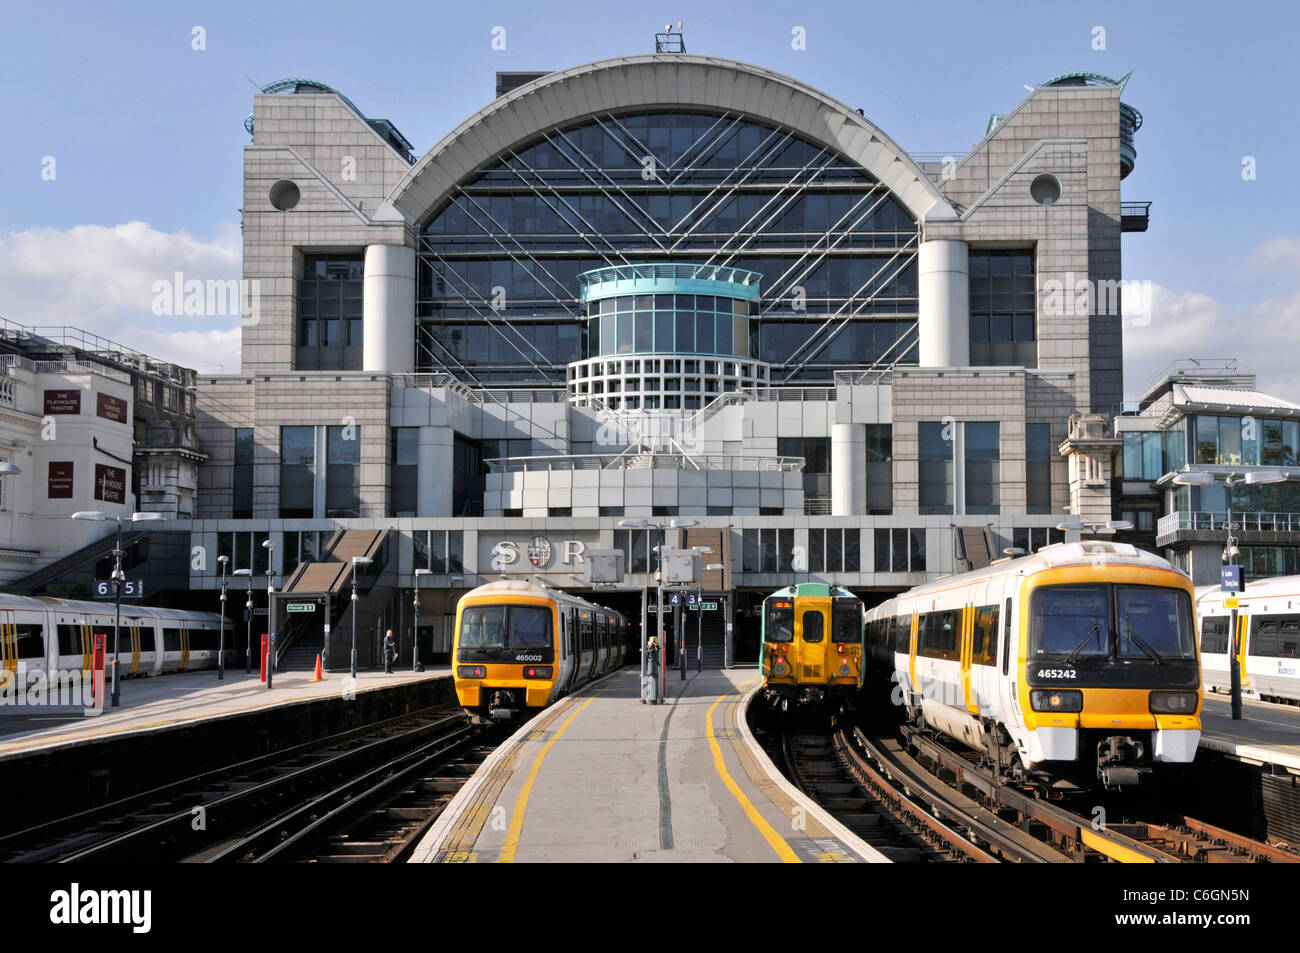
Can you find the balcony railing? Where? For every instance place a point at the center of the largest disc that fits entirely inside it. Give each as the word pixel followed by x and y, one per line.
pixel 642 461
pixel 1134 216
pixel 1217 522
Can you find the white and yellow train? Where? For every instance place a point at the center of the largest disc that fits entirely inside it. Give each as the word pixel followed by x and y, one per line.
pixel 1076 664
pixel 41 634
pixel 1268 643
pixel 520 646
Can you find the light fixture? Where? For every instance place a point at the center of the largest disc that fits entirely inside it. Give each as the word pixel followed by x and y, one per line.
pixel 1194 478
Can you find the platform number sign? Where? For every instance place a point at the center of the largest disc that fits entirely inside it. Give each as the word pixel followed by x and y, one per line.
pixel 131 589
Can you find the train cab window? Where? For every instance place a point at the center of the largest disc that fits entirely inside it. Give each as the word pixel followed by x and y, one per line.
pixel 171 640
pixel 779 625
pixel 70 640
pixel 1214 635
pixel 812 626
pixel 31 640
pixel 846 621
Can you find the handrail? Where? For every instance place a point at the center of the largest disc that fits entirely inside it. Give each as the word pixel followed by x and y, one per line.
pixel 642 460
pixel 1217 521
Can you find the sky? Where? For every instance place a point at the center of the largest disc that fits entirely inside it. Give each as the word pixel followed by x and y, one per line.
pixel 123 129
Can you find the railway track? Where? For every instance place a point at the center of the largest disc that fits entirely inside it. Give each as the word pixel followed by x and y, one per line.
pixel 1168 838
pixel 384 782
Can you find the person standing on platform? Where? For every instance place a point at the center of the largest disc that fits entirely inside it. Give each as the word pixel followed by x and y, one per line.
pixel 390 651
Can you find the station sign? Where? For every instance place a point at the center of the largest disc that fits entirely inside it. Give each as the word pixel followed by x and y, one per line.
pixel 534 554
pixel 706 606
pixel 1231 579
pixel 301 607
pixel 131 589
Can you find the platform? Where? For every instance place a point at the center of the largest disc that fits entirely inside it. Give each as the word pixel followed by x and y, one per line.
pixel 1267 733
pixel 601 777
pixel 150 704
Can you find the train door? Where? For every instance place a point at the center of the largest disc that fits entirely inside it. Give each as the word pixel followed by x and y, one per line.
pixel 563 657
pixel 810 635
pixel 150 656
pixel 1009 653
pixel 9 675
pixel 985 638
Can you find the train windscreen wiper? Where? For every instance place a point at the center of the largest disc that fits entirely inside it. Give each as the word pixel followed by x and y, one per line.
pixel 1095 630
pixel 1128 630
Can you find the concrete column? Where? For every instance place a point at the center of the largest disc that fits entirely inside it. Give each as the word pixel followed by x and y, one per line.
pixel 435 478
pixel 388 309
pixel 848 469
pixel 944 304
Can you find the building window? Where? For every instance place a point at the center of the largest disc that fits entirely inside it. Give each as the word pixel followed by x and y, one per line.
pixel 767 550
pixel 880 469
pixel 900 550
pixel 307 546
pixel 1281 440
pixel 981 465
pixel 1003 309
pixel 245 551
pixel 935 456
pixel 330 312
pixel 816 453
pixel 834 550
pixel 1144 456
pixel 297 472
pixel 1263 561
pixel 1038 468
pixel 1031 539
pixel 403 471
pixel 242 475
pixel 469 472
pixel 343 472
pixel 635 544
pixel 440 551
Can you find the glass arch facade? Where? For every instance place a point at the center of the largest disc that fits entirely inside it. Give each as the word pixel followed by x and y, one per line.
pixel 497 295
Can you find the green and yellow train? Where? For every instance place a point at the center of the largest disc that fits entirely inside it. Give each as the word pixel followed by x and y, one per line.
pixel 812 647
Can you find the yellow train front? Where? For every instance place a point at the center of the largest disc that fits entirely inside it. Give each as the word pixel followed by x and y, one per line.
pixel 520 646
pixel 812 644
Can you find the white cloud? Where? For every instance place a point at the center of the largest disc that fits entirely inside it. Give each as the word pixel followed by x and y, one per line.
pixel 101 279
pixel 1263 336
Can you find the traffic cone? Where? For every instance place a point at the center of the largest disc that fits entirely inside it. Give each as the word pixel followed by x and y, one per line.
pixel 320 675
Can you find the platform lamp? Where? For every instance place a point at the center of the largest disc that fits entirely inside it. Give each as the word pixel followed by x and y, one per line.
pixel 1230 552
pixel 221 635
pixel 118 575
pixel 356 561
pixel 415 604
pixel 248 615
pixel 270 610
pixel 655 695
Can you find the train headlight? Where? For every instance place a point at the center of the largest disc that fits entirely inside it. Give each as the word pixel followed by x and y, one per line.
pixel 471 671
pixel 779 667
pixel 1047 699
pixel 537 671
pixel 844 666
pixel 1173 703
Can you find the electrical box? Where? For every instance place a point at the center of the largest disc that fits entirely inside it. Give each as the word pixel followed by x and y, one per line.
pixel 603 566
pixel 681 566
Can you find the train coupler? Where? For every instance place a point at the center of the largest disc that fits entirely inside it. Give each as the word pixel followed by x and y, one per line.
pixel 1119 761
pixel 503 705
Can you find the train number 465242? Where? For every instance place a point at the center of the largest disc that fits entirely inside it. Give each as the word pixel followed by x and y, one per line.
pixel 1057 673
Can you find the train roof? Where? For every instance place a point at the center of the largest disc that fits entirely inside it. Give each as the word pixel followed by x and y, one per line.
pixel 1090 552
pixel 815 589
pixel 524 587
pixel 1274 587
pixel 129 610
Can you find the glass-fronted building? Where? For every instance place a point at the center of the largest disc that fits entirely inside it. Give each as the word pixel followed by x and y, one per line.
pixel 653 288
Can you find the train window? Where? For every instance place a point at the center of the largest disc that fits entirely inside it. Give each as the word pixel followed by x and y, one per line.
pixel 779 621
pixel 903 634
pixel 1154 620
pixel 1071 620
pixel 70 640
pixel 846 621
pixel 171 640
pixel 1214 634
pixel 938 634
pixel 984 636
pixel 813 622
pixel 203 640
pixel 31 640
pixel 1288 638
pixel 1006 643
pixel 146 639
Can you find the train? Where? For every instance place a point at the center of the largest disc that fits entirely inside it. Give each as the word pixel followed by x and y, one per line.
pixel 1268 647
pixel 1074 667
pixel 40 635
pixel 812 644
pixel 519 646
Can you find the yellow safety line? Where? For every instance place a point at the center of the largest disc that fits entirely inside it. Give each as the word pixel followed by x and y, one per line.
pixel 777 843
pixel 521 802
pixel 1125 855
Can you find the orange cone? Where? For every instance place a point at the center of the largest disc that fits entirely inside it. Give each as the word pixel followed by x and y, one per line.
pixel 320 675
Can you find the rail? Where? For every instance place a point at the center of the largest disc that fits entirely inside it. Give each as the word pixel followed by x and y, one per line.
pixel 1211 521
pixel 642 461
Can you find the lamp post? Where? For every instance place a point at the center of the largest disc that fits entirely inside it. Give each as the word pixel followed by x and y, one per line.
pixel 248 616
pixel 118 576
pixel 415 604
pixel 652 693
pixel 270 610
pixel 356 561
pixel 221 635
pixel 1230 550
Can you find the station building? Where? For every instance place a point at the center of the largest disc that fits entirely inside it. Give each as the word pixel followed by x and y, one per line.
pixel 658 287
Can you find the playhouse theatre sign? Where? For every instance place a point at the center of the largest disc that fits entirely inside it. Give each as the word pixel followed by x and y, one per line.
pixel 533 553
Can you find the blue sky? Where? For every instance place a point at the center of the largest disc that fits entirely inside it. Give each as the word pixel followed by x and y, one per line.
pixel 143 128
